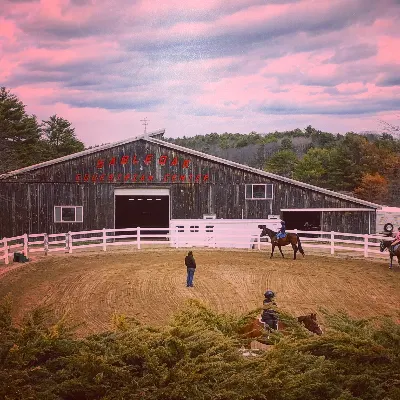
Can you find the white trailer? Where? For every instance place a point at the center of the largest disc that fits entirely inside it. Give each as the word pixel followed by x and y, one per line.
pixel 387 219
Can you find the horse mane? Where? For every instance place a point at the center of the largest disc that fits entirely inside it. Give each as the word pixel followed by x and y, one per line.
pixel 269 232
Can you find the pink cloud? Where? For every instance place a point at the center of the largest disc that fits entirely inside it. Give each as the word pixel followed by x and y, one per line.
pixel 7 29
pixel 388 50
pixel 202 65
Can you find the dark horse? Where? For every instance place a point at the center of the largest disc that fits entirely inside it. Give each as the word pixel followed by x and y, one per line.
pixel 256 328
pixel 385 244
pixel 290 238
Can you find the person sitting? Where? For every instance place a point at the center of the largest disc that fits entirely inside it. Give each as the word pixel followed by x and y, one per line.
pixel 395 241
pixel 282 231
pixel 270 314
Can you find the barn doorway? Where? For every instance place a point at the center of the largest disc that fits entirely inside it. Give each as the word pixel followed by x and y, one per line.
pixel 146 208
pixel 302 220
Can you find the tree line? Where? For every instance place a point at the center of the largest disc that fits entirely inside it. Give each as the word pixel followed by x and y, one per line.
pixel 25 141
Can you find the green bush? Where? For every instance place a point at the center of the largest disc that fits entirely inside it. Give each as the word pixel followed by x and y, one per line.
pixel 196 356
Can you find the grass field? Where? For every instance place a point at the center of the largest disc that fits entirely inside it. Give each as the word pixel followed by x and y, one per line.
pixel 150 284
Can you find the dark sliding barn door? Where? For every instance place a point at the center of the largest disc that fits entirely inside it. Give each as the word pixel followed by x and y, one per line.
pixel 302 220
pixel 146 211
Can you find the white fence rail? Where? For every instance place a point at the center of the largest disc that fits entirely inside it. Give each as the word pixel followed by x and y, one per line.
pixel 202 236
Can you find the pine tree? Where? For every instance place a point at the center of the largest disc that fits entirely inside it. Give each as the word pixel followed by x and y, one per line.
pixel 20 143
pixel 60 137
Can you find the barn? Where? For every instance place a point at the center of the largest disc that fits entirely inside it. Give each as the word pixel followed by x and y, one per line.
pixel 148 182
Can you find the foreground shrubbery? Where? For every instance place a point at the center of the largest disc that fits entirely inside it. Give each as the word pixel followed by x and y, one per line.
pixel 196 357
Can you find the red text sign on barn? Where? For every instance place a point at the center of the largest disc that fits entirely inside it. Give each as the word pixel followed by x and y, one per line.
pixel 198 178
pixel 149 159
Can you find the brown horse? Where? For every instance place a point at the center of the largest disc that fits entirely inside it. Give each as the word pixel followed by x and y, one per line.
pixel 255 328
pixel 290 238
pixel 385 244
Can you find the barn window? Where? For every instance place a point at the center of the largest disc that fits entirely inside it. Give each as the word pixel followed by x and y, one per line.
pixel 68 214
pixel 259 191
pixel 209 228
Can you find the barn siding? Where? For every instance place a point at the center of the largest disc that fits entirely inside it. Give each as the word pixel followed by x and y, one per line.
pixel 27 200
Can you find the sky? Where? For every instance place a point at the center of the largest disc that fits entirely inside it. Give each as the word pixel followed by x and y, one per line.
pixel 196 67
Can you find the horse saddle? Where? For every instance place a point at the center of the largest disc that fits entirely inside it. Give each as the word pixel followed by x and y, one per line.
pixel 396 246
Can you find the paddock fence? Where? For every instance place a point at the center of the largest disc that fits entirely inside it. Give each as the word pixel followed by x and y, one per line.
pixel 180 236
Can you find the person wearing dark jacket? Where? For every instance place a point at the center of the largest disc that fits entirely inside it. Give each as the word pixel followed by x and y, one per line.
pixel 270 314
pixel 191 268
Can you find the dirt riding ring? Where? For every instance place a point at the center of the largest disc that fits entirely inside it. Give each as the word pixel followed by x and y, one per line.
pixel 150 285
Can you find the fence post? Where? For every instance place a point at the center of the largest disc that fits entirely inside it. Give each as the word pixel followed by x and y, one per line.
pixel 366 245
pixel 258 242
pixel 176 237
pixel 332 242
pixel 138 237
pixel 5 244
pixel 46 243
pixel 69 241
pixel 26 245
pixel 104 239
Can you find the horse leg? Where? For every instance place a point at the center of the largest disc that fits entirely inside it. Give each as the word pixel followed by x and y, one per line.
pixel 294 250
pixel 280 249
pixel 391 261
pixel 273 248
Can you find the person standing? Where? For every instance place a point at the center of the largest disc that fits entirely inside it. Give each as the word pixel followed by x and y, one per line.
pixel 191 268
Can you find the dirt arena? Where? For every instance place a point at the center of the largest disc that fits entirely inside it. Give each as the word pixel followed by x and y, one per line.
pixel 151 284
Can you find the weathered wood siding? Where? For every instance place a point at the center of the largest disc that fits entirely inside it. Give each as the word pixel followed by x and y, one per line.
pixel 27 200
pixel 354 222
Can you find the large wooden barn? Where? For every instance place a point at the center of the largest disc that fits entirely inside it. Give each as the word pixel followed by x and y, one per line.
pixel 149 182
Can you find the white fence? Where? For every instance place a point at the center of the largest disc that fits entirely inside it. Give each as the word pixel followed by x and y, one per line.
pixel 202 235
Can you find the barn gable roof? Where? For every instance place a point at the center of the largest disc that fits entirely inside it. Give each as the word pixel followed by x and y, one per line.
pixel 155 134
pixel 155 138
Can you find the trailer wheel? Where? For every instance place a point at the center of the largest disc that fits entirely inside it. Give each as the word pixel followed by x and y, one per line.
pixel 388 227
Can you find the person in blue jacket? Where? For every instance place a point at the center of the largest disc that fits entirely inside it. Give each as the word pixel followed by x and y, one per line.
pixel 282 231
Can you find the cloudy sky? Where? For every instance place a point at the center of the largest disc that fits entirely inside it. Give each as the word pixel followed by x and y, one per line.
pixel 201 66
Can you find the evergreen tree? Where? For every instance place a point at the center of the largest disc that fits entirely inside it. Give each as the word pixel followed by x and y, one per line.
pixel 313 167
pixel 282 163
pixel 20 143
pixel 60 137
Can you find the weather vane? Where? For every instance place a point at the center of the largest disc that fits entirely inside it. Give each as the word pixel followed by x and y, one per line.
pixel 145 123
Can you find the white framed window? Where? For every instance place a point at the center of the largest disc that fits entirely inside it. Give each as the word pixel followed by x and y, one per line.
pixel 68 214
pixel 259 191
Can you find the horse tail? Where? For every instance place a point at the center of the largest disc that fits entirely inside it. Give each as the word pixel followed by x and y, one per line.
pixel 299 245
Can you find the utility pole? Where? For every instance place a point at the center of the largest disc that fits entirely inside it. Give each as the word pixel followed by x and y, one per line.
pixel 145 123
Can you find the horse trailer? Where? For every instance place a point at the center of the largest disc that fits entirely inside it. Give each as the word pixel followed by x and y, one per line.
pixel 387 219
